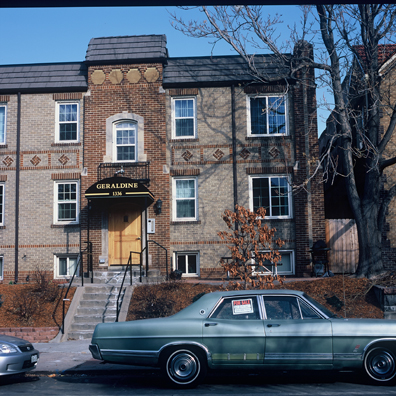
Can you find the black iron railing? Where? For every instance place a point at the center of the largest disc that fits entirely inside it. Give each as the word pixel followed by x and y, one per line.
pixel 139 171
pixel 129 267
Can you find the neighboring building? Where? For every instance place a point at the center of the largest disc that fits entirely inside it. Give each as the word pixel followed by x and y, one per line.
pixel 132 150
pixel 336 200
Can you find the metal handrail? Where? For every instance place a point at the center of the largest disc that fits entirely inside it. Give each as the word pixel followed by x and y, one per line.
pixel 166 256
pixel 67 292
pixel 129 265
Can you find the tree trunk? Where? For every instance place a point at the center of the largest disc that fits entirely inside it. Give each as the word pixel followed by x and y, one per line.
pixel 370 258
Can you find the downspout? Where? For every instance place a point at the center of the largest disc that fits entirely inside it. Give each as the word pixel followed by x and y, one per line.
pixel 17 192
pixel 234 149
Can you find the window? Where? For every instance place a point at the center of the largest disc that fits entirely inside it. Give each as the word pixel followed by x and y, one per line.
pixel 2 123
pixel 184 118
pixel 66 202
pixel 68 122
pixel 1 267
pixel 284 267
pixel 287 308
pixel 65 266
pixel 185 199
pixel 125 141
pixel 273 193
pixel 188 263
pixel 237 308
pixel 1 204
pixel 267 115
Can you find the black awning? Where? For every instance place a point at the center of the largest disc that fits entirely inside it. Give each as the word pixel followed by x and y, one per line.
pixel 119 187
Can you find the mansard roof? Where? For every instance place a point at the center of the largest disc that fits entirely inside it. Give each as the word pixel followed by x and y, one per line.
pixel 127 49
pixel 50 77
pixel 217 70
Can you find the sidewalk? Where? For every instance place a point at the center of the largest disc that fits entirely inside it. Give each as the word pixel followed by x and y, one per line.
pixel 72 357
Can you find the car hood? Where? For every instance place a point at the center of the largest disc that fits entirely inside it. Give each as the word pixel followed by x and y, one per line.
pixel 13 340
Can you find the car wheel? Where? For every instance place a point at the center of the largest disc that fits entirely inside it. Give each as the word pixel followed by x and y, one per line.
pixel 184 367
pixel 380 364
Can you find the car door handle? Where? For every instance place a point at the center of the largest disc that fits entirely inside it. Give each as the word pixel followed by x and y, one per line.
pixel 210 324
pixel 273 325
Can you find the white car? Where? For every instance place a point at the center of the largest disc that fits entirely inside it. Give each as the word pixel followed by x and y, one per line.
pixel 16 355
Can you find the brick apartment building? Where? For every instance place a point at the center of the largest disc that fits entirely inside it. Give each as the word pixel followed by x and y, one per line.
pixel 132 150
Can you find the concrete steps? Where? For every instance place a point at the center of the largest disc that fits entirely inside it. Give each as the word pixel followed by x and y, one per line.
pixel 98 304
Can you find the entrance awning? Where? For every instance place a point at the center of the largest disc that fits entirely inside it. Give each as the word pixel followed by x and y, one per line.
pixel 120 187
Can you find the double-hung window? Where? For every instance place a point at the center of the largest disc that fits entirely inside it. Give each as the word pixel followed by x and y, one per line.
pixel 66 207
pixel 267 115
pixel 1 204
pixel 65 266
pixel 3 112
pixel 67 115
pixel 273 193
pixel 188 263
pixel 185 199
pixel 125 141
pixel 184 118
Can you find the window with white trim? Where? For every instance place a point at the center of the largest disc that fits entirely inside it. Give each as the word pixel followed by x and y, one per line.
pixel 3 113
pixel 185 199
pixel 1 267
pixel 65 265
pixel 188 263
pixel 125 141
pixel 66 202
pixel 284 267
pixel 2 193
pixel 273 193
pixel 67 122
pixel 184 118
pixel 267 115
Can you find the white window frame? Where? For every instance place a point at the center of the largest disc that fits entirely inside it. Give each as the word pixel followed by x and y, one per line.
pixel 188 253
pixel 266 134
pixel 1 267
pixel 279 270
pixel 268 214
pixel 57 257
pixel 194 117
pixel 175 199
pixel 115 145
pixel 56 202
pixel 58 122
pixel 4 105
pixel 2 204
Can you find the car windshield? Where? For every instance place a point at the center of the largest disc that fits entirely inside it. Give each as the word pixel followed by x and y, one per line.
pixel 320 307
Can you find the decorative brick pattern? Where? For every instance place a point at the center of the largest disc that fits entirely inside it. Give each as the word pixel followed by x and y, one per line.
pixel 187 155
pixel 64 159
pixel 218 154
pixel 7 161
pixel 35 160
pixel 245 153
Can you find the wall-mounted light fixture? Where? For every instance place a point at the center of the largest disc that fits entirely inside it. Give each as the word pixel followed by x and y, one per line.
pixel 158 207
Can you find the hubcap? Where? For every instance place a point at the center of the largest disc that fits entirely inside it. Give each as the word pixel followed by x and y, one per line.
pixel 382 365
pixel 183 367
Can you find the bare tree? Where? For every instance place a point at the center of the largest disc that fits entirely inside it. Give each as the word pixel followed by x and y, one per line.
pixel 347 60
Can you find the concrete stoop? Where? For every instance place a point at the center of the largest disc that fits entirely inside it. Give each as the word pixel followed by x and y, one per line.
pixel 96 302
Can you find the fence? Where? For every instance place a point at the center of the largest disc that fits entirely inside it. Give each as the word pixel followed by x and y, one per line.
pixel 342 239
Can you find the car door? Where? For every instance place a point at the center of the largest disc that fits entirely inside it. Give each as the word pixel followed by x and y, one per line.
pixel 234 332
pixel 295 333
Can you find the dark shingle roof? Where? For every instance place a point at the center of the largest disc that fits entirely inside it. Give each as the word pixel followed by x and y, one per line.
pixel 54 77
pixel 127 48
pixel 218 70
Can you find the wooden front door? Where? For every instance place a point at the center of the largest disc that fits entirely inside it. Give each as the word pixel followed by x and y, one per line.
pixel 125 231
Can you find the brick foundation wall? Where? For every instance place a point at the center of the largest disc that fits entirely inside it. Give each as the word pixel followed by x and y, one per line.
pixel 31 334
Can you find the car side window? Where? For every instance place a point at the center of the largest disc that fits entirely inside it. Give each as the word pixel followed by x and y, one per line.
pixel 281 307
pixel 237 308
pixel 307 312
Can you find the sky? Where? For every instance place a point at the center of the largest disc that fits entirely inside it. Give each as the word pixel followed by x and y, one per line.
pixel 46 35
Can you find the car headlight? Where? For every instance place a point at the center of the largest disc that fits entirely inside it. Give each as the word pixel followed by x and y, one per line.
pixel 7 348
